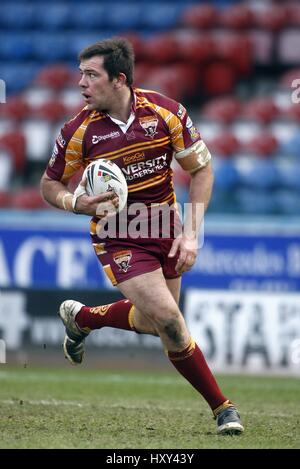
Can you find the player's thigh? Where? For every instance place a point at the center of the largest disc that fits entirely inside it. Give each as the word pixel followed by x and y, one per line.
pixel 150 294
pixel 174 285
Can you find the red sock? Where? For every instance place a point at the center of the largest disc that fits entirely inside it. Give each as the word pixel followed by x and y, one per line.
pixel 118 315
pixel 192 365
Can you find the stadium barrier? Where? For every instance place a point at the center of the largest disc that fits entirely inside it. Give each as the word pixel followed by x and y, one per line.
pixel 237 331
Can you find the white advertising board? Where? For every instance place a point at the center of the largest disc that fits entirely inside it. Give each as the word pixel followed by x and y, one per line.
pixel 246 331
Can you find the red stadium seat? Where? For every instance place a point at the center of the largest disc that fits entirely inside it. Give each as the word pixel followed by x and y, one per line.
pixel 5 199
pixel 28 198
pixel 160 48
pixel 15 143
pixel 218 78
pixel 224 110
pixel 235 17
pixel 270 16
pixel 51 111
pixel 224 145
pixel 236 49
pixel 15 108
pixel 293 112
pixel 263 110
pixel 55 77
pixel 194 47
pixel 263 145
pixel 200 16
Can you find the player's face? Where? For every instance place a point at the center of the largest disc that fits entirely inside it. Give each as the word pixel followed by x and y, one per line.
pixel 96 88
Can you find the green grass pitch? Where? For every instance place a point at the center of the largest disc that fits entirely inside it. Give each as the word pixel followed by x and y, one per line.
pixel 80 408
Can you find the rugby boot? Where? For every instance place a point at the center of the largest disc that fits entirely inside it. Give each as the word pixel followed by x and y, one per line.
pixel 74 339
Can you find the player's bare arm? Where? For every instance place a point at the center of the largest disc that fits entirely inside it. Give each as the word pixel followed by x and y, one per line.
pixel 57 194
pixel 197 163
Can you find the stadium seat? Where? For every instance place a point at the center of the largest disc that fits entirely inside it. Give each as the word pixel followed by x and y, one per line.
pixel 52 47
pixel 18 76
pixel 263 110
pixel 54 17
pixel 289 174
pixel 262 44
pixel 236 49
pixel 269 16
pixel 5 199
pixel 92 16
pixel 223 109
pixel 224 145
pixel 51 111
pixel 235 17
pixel 38 143
pixel 54 76
pixel 17 16
pixel 288 47
pixel 218 78
pixel 194 47
pixel 160 49
pixel 257 173
pixel 200 16
pixel 256 202
pixel 28 198
pixel 14 143
pixel 287 202
pixel 262 145
pixel 126 16
pixel 226 177
pixel 16 46
pixel 16 108
pixel 163 17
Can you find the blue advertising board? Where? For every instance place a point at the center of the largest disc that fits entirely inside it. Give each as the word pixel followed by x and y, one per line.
pixel 40 252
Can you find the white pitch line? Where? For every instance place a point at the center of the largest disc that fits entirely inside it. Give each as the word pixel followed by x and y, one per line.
pixel 51 402
pixel 114 378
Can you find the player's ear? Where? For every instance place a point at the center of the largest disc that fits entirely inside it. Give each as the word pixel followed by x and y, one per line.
pixel 120 80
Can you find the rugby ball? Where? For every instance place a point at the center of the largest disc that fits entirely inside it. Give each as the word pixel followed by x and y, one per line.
pixel 104 176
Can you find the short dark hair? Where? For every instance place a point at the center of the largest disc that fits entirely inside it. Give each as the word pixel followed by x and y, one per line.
pixel 118 56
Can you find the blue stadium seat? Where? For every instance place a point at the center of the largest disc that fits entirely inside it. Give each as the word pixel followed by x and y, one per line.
pixel 16 46
pixel 289 174
pixel 54 16
pixel 257 173
pixel 292 146
pixel 258 202
pixel 51 47
pixel 288 202
pixel 125 16
pixel 17 16
pixel 226 175
pixel 163 16
pixel 18 76
pixel 92 16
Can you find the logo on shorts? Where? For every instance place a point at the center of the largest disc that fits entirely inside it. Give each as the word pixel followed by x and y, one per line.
pixel 122 259
pixel 149 124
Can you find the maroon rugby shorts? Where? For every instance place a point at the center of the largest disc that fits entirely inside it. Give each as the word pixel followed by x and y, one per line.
pixel 123 259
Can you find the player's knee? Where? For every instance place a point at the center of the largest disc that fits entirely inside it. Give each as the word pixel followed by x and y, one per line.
pixel 172 325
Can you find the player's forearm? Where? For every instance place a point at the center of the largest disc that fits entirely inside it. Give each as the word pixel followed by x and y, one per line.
pixel 56 193
pixel 200 193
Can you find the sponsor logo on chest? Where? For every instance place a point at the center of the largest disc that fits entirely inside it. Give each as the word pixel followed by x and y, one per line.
pixel 101 138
